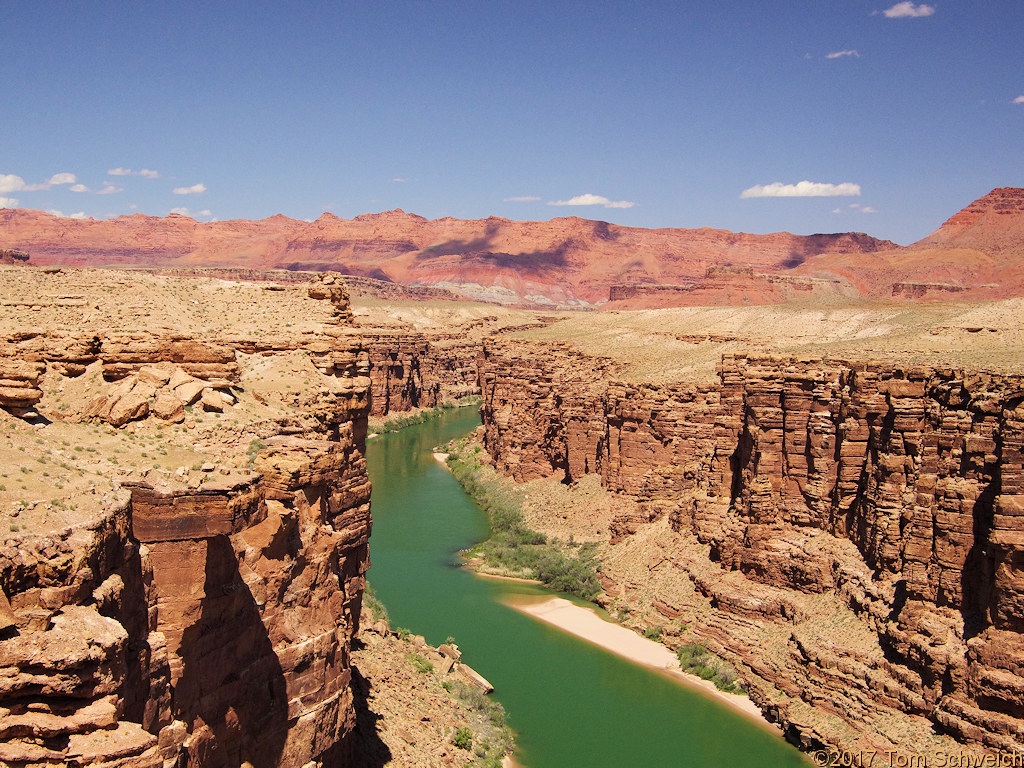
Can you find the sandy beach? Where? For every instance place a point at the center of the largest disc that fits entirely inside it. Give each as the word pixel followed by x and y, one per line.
pixel 441 457
pixel 586 624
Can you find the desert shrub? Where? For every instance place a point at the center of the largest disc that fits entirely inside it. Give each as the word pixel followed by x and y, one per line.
pixel 463 738
pixel 375 606
pixel 420 664
pixel 696 659
pixel 255 446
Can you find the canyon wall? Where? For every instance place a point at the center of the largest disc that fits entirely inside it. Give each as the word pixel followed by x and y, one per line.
pixel 202 617
pixel 417 370
pixel 724 285
pixel 890 495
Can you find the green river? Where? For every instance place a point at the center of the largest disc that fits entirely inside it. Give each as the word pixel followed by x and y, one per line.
pixel 571 703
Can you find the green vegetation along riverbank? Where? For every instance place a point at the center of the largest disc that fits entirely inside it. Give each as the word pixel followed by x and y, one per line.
pixel 513 549
pixel 381 425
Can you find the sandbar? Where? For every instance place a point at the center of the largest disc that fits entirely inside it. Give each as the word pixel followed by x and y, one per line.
pixel 586 624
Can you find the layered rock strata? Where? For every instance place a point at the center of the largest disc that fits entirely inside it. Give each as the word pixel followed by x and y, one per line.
pixel 12 256
pixel 565 261
pixel 418 370
pixel 198 617
pixel 724 285
pixel 887 492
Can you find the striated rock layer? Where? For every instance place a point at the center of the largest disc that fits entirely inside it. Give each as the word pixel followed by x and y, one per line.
pixel 566 261
pixel 416 370
pixel 974 255
pixel 894 494
pixel 194 618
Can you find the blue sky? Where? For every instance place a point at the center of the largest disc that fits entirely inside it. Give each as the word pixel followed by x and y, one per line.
pixel 653 114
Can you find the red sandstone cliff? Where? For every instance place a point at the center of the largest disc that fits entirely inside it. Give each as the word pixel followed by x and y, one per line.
pixel 862 523
pixel 194 618
pixel 565 261
pixel 975 254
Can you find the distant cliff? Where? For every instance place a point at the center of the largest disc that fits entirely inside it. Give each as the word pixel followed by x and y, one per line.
pixel 564 262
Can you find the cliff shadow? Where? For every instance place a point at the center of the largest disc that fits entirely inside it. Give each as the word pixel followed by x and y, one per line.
pixel 365 748
pixel 481 249
pixel 977 578
pixel 456 247
pixel 231 679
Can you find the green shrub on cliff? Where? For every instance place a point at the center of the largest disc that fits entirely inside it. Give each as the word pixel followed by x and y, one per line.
pixel 463 738
pixel 697 660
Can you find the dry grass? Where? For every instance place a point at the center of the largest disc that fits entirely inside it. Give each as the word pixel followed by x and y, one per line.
pixel 663 345
pixel 60 471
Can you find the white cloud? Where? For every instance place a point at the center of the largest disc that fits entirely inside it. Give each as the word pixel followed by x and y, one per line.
pixel 521 199
pixel 78 188
pixel 907 10
pixel 12 183
pixel 8 202
pixel 180 211
pixel 801 189
pixel 400 179
pixel 589 199
pixel 840 54
pixel 79 215
pixel 857 208
pixel 195 189
pixel 129 172
pixel 1019 100
pixel 109 189
pixel 205 212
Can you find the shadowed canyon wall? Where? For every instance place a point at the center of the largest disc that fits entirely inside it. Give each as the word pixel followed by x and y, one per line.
pixel 891 495
pixel 204 617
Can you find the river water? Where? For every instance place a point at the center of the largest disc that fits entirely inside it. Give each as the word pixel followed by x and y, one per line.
pixel 571 703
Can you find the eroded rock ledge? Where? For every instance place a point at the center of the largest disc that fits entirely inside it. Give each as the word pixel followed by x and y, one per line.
pixel 198 617
pixel 889 495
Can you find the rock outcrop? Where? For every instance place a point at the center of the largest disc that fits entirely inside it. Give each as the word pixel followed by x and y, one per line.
pixel 11 256
pixel 724 286
pixel 569 262
pixel 889 492
pixel 416 370
pixel 198 617
pixel 974 256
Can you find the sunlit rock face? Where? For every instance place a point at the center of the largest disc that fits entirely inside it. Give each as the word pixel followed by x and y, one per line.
pixel 201 616
pixel 893 493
